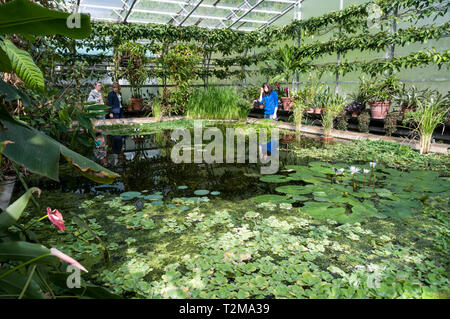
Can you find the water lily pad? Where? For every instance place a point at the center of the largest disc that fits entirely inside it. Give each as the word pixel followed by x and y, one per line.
pixel 276 199
pixel 294 189
pixel 215 193
pixel 129 195
pixel 184 207
pixel 171 205
pixel 274 179
pixel 201 192
pixel 153 197
pixel 182 187
pixel 157 202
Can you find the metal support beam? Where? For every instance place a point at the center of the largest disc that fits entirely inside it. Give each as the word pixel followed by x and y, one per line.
pixel 246 13
pixel 191 12
pixel 272 20
pixel 130 10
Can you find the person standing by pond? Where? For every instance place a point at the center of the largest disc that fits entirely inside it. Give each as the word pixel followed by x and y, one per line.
pixel 115 102
pixel 270 99
pixel 96 96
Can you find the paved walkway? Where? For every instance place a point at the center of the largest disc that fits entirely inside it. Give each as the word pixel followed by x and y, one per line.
pixel 306 130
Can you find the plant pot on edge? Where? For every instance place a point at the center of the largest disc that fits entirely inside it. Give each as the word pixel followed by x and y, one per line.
pixel 317 110
pixel 136 103
pixel 287 103
pixel 379 109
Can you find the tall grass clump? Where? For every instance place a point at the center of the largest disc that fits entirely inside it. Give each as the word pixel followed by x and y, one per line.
pixel 217 103
pixel 334 105
pixel 157 110
pixel 431 110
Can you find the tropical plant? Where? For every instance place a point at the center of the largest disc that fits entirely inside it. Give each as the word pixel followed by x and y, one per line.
pixel 181 62
pixel 36 152
pixel 216 103
pixel 285 63
pixel 379 89
pixel 157 110
pixel 364 121
pixel 302 100
pixel 431 110
pixel 130 57
pixel 335 104
pixel 407 98
pixel 357 104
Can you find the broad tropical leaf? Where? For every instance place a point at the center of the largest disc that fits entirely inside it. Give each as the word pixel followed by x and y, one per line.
pixel 23 16
pixel 24 66
pixel 5 64
pixel 40 153
pixel 25 251
pixel 13 285
pixel 14 211
pixel 11 93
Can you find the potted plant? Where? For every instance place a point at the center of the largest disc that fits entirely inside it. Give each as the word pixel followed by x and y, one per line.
pixel 357 105
pixel 432 108
pixel 302 100
pixel 133 70
pixel 285 63
pixel 284 95
pixel 379 94
pixel 335 105
pixel 320 100
pixel 407 99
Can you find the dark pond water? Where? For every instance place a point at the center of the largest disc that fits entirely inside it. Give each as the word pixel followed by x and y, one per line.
pixel 145 164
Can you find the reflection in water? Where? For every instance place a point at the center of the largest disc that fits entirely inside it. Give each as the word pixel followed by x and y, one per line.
pixel 144 163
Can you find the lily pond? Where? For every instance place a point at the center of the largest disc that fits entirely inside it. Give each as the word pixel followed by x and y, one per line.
pixel 315 229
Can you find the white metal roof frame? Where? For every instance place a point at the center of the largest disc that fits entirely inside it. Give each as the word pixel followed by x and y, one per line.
pixel 225 15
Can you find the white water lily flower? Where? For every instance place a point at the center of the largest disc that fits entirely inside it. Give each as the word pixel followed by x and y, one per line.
pixel 338 171
pixel 366 171
pixel 372 164
pixel 354 170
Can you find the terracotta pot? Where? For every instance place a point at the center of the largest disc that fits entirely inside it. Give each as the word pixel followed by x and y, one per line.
pixel 136 103
pixel 311 110
pixel 323 110
pixel 326 139
pixel 287 138
pixel 355 114
pixel 287 103
pixel 379 109
pixel 317 110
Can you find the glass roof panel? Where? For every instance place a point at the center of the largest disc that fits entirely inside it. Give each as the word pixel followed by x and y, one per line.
pixel 236 14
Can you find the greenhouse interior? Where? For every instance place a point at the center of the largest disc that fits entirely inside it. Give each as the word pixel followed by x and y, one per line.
pixel 224 149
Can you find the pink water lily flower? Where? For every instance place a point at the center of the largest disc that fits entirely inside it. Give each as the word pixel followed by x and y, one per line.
pixel 55 252
pixel 56 218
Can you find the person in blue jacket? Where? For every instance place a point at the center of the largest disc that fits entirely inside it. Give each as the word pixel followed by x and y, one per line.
pixel 270 99
pixel 115 102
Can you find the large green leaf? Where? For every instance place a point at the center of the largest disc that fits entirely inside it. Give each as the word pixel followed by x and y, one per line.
pixel 23 16
pixel 13 285
pixel 5 64
pixel 11 93
pixel 14 211
pixel 24 66
pixel 40 153
pixel 25 251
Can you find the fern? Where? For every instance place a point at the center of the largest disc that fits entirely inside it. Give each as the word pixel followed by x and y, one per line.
pixel 23 65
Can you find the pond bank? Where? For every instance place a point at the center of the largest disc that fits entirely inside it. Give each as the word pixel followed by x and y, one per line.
pixel 306 130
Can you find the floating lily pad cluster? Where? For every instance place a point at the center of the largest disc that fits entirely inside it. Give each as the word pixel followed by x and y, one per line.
pixel 326 191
